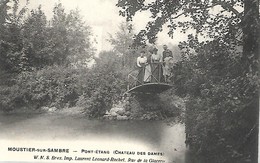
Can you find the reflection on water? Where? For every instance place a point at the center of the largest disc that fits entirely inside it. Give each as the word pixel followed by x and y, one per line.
pixel 153 135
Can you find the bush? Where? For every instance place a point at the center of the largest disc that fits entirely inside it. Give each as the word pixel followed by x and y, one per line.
pixel 102 87
pixel 221 104
pixel 58 86
pixel 51 86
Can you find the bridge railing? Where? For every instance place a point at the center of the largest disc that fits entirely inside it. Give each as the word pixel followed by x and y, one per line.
pixel 150 73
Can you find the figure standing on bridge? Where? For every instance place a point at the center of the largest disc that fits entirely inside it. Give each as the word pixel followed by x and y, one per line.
pixel 168 63
pixel 144 69
pixel 155 58
pixel 166 52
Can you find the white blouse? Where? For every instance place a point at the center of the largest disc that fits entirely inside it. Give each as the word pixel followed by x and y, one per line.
pixel 141 61
pixel 156 58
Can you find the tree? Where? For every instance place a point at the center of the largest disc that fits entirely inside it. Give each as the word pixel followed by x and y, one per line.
pixel 3 30
pixel 3 17
pixel 69 37
pixel 201 17
pixel 29 42
pixel 11 40
pixel 35 40
pixel 102 85
pixel 122 44
pixel 251 26
pixel 58 34
pixel 78 38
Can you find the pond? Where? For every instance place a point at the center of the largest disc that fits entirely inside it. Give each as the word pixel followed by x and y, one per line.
pixel 105 135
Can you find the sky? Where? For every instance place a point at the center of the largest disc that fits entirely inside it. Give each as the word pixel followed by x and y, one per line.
pixel 103 17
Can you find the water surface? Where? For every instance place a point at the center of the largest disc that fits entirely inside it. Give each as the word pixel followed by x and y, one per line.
pixel 137 135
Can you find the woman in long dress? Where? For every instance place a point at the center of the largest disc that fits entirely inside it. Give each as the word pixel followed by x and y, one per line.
pixel 148 70
pixel 144 73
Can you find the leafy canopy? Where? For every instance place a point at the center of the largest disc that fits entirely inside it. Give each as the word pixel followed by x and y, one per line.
pixel 211 17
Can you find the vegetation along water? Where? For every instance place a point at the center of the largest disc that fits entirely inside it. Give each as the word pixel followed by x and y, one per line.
pixel 44 68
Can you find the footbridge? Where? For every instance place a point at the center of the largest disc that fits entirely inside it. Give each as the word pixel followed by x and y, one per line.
pixel 149 79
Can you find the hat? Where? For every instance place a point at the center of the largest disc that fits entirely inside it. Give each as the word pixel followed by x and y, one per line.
pixel 155 49
pixel 152 49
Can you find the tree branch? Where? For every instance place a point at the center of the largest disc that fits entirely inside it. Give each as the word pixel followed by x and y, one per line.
pixel 226 6
pixel 193 9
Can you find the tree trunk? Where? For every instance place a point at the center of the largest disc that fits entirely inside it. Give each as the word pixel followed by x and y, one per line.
pixel 250 62
pixel 251 35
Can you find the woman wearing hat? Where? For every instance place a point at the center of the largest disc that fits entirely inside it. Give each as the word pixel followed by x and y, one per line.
pixel 141 64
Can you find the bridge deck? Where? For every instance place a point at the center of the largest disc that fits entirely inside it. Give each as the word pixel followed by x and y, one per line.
pixel 156 81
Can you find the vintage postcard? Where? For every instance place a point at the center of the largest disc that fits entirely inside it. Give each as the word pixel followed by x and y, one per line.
pixel 129 81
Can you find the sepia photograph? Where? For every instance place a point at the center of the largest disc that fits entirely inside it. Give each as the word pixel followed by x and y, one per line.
pixel 129 81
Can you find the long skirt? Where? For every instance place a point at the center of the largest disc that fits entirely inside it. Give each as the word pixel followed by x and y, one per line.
pixel 140 76
pixel 147 73
pixel 157 73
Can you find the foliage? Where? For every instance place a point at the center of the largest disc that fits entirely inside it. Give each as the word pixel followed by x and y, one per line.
pixel 221 103
pixel 35 51
pixel 198 15
pixel 122 43
pixel 29 42
pixel 103 86
pixel 218 78
pixel 52 86
pixel 69 37
pixel 11 40
pixel 61 86
pixel 231 16
pixel 43 62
